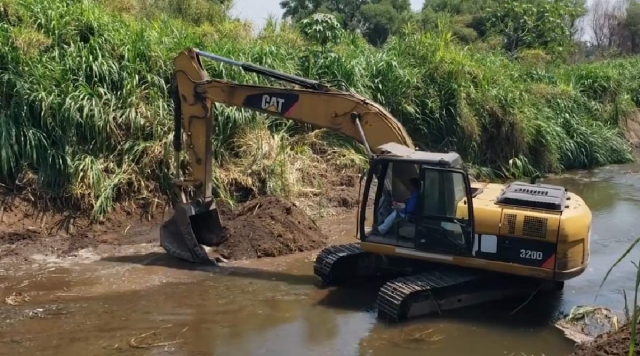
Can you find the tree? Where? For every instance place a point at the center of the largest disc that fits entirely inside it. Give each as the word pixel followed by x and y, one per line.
pixel 615 26
pixel 375 19
pixel 465 18
pixel 604 21
pixel 457 7
pixel 631 25
pixel 379 20
pixel 540 24
pixel 345 11
pixel 322 29
pixel 296 9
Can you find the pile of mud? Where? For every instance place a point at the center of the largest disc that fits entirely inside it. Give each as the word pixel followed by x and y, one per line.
pixel 608 344
pixel 267 227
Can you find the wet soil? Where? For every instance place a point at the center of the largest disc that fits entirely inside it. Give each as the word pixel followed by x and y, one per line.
pixel 609 344
pixel 27 230
pixel 268 227
pixel 262 227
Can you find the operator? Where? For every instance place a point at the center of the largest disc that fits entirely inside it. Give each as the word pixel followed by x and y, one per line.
pixel 409 207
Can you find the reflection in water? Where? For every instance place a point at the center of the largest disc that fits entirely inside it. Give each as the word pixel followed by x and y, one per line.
pixel 613 194
pixel 493 329
pixel 320 326
pixel 601 196
pixel 243 310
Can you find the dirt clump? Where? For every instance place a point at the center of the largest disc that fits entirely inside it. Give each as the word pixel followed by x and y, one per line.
pixel 268 227
pixel 609 344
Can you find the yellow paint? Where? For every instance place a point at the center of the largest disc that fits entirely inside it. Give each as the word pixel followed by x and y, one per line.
pixel 332 109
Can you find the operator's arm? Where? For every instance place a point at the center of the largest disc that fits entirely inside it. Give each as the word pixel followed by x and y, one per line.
pixel 410 206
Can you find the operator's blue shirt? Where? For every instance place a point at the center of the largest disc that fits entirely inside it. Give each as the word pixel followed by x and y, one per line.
pixel 410 204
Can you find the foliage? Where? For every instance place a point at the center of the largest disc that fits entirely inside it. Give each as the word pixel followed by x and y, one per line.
pixel 613 28
pixel 375 19
pixel 636 309
pixel 467 16
pixel 534 23
pixel 86 116
pixel 322 29
pixel 631 24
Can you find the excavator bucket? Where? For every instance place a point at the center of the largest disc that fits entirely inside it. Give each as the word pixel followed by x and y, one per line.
pixel 191 226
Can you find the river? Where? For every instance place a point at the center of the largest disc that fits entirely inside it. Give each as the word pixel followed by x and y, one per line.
pixel 96 306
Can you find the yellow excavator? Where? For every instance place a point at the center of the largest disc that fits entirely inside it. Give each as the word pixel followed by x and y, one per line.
pixel 463 242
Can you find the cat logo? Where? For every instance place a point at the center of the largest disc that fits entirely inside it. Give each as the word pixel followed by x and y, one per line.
pixel 282 103
pixel 272 103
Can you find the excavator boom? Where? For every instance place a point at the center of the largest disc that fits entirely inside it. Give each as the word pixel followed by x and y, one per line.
pixel 196 221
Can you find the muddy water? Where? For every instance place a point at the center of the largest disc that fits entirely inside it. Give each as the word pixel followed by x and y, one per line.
pixel 275 307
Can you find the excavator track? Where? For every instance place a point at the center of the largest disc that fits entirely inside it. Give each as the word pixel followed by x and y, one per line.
pixel 393 294
pixel 433 291
pixel 338 263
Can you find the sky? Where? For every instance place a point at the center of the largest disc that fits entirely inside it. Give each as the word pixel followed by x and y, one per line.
pixel 258 10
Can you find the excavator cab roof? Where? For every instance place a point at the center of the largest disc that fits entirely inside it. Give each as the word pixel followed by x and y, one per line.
pixel 395 151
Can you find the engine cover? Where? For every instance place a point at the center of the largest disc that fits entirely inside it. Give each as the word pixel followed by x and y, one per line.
pixel 538 196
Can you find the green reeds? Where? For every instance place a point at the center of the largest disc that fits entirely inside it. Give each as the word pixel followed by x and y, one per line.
pixel 85 116
pixel 636 309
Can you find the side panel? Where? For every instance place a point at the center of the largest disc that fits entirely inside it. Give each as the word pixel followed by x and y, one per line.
pixel 529 224
pixel 471 262
pixel 525 252
pixel 522 237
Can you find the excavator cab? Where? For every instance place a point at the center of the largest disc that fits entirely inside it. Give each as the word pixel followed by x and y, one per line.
pixel 442 221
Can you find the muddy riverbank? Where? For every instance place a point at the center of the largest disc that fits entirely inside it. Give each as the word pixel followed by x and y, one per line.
pixel 120 299
pixel 261 227
pixel 609 344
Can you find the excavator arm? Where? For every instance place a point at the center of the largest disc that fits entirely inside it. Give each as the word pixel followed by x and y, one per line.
pixel 196 221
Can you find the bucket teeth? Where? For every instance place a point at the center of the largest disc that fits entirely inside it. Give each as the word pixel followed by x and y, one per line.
pixel 189 228
pixel 180 242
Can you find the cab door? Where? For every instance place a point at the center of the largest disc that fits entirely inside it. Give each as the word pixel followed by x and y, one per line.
pixel 445 221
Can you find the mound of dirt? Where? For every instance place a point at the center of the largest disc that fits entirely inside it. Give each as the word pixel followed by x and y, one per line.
pixel 268 227
pixel 608 344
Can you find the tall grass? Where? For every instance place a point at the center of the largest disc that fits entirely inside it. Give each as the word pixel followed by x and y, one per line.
pixel 635 315
pixel 85 117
